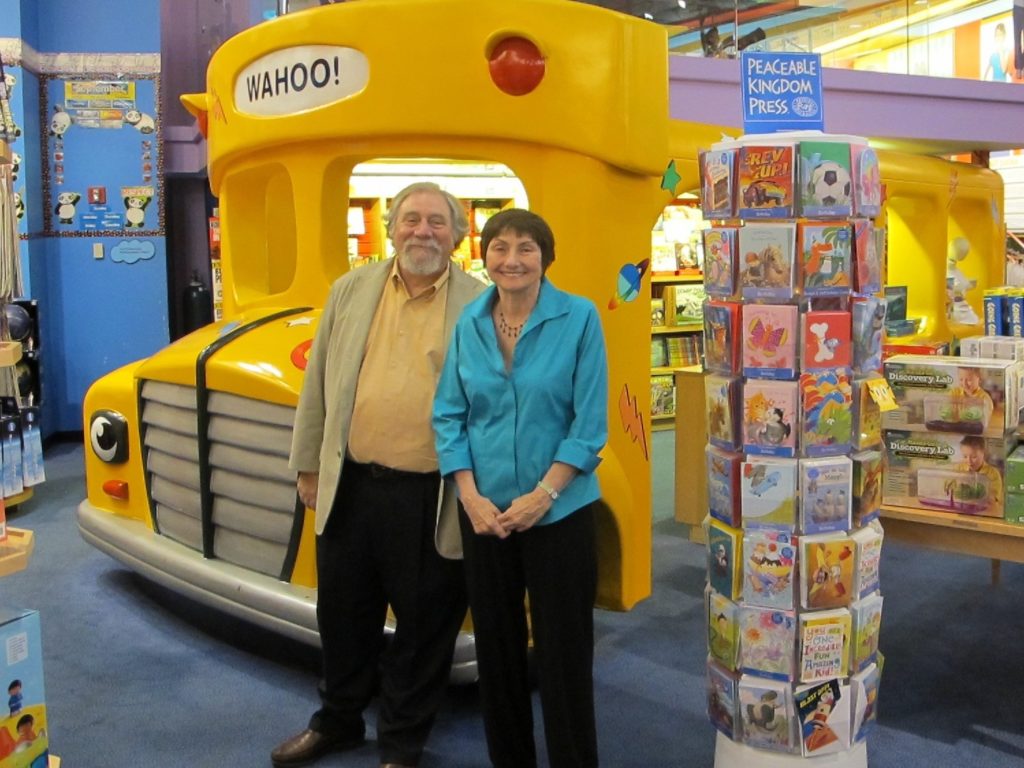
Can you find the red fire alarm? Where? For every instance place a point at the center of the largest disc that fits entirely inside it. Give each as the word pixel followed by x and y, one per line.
pixel 97 195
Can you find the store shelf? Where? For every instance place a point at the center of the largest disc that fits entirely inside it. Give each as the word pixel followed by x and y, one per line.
pixel 18 498
pixel 948 532
pixel 664 277
pixel 684 328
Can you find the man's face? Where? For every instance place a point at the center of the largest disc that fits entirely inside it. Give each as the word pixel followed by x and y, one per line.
pixel 423 236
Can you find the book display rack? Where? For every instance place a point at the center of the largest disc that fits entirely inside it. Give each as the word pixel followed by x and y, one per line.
pixel 793 265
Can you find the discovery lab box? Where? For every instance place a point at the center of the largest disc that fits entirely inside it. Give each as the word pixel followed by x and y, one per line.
pixel 23 726
pixel 972 396
pixel 946 472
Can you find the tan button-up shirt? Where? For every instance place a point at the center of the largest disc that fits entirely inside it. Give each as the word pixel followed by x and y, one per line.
pixel 395 394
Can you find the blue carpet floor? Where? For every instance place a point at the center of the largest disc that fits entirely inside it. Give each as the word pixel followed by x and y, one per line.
pixel 136 676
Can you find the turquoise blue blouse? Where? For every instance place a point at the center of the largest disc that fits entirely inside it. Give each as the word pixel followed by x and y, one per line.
pixel 509 426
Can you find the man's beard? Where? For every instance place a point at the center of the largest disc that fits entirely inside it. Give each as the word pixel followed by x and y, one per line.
pixel 427 265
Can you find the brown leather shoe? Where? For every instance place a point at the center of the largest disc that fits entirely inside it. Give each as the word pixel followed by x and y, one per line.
pixel 309 746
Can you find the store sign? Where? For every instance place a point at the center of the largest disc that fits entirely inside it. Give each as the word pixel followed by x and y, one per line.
pixel 781 92
pixel 297 79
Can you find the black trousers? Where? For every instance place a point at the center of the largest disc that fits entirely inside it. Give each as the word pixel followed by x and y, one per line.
pixel 378 550
pixel 556 565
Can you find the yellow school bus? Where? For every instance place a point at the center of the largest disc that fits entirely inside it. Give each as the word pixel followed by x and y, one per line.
pixel 186 455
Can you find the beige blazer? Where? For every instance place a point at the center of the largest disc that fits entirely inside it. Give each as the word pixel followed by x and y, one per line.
pixel 324 413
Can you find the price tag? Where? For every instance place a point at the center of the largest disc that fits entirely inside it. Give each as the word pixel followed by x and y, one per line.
pixel 882 394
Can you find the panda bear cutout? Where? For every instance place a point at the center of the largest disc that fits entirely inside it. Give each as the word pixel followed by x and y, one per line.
pixel 19 206
pixel 65 210
pixel 15 165
pixel 9 81
pixel 60 122
pixel 135 211
pixel 140 121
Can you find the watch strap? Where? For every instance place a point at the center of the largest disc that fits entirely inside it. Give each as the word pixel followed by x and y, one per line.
pixel 547 489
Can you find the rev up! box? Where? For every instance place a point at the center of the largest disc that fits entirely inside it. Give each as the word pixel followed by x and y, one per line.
pixel 23 727
pixel 972 396
pixel 946 472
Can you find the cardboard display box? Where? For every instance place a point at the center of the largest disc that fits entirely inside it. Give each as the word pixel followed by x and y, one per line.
pixel 973 396
pixel 23 726
pixel 946 472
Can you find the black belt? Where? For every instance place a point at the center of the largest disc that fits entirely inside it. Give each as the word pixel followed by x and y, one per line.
pixel 379 471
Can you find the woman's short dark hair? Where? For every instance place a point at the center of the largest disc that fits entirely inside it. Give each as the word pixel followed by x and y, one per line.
pixel 522 222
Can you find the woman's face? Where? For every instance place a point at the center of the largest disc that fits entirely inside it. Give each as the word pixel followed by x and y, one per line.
pixel 513 262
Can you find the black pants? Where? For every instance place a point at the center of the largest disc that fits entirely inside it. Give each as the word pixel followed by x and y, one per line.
pixel 378 549
pixel 556 564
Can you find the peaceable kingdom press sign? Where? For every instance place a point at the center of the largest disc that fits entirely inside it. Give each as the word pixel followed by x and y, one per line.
pixel 781 92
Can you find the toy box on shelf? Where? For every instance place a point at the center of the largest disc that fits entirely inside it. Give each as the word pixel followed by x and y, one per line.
pixel 794 328
pixel 24 728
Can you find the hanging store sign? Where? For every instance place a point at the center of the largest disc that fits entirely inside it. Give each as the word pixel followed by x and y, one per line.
pixel 781 92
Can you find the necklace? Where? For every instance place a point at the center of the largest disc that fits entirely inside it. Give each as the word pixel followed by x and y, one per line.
pixel 512 331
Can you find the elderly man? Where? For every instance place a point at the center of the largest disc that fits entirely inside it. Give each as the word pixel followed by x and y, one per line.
pixel 364 452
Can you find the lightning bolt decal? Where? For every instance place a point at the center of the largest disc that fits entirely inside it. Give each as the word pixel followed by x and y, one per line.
pixel 632 421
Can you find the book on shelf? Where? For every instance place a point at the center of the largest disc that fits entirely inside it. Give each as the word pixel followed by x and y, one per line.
pixel 657 312
pixel 824 710
pixel 659 352
pixel 663 395
pixel 767 642
pixel 826 570
pixel 767 714
pixel 684 350
pixel 824 644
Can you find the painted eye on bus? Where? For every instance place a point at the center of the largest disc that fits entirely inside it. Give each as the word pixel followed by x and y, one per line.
pixel 108 436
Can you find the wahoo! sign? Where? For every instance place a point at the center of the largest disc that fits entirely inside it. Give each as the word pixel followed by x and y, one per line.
pixel 297 79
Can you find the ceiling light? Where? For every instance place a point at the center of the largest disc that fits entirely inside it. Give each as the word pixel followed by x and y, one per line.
pixel 682 3
pixel 649 16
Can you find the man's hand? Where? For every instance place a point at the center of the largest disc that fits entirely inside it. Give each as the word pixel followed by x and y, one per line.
pixel 307 485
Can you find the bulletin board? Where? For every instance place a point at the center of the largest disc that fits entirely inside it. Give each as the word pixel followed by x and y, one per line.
pixel 103 165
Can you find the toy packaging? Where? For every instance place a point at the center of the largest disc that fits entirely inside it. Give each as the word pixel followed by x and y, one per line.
pixel 945 472
pixel 723 629
pixel 826 184
pixel 825 340
pixel 769 417
pixel 994 307
pixel 717 174
pixel 867 486
pixel 13 466
pixel 867 178
pixel 767 261
pixel 720 244
pixel 826 253
pixel 826 491
pixel 996 347
pixel 1013 511
pixel 723 704
pixel 766 176
pixel 721 395
pixel 972 396
pixel 867 263
pixel 722 336
pixel 23 721
pixel 724 485
pixel 920 348
pixel 769 568
pixel 32 443
pixel 768 493
pixel 868 334
pixel 825 408
pixel 769 340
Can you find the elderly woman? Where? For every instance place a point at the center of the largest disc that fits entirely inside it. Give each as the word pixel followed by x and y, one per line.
pixel 520 416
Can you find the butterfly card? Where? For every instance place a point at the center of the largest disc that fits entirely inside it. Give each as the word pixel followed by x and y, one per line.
pixel 826 340
pixel 720 245
pixel 722 336
pixel 770 417
pixel 721 395
pixel 825 406
pixel 867 263
pixel 826 491
pixel 768 488
pixel 826 252
pixel 769 340
pixel 867 181
pixel 766 267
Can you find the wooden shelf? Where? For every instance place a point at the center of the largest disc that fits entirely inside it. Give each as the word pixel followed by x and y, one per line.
pixel 948 532
pixel 684 328
pixel 665 278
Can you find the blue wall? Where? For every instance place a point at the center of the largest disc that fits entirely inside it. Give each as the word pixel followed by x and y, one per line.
pixel 96 314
